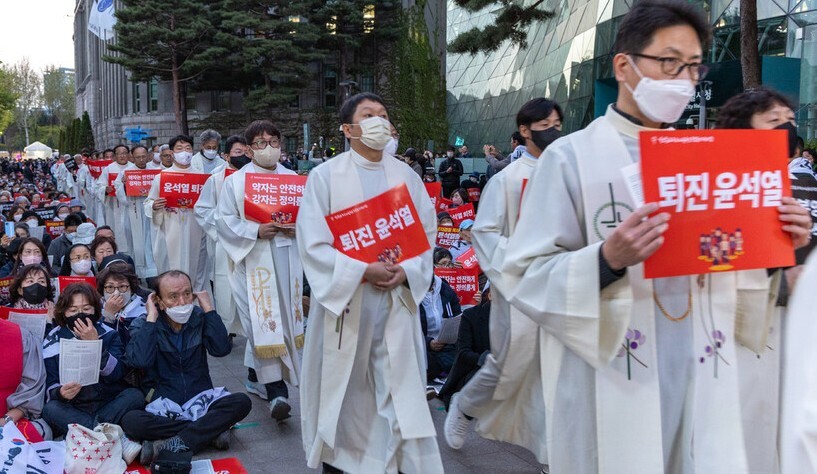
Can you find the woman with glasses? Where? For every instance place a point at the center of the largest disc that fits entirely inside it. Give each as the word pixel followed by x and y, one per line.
pixel 121 302
pixel 78 262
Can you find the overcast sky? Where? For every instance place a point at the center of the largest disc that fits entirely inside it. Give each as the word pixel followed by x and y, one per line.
pixel 39 29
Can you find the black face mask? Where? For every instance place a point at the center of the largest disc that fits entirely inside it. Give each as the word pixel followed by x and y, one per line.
pixel 792 129
pixel 71 321
pixel 240 161
pixel 35 294
pixel 543 138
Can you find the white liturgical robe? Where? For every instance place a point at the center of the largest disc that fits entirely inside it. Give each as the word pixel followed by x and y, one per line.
pixel 139 235
pixel 113 209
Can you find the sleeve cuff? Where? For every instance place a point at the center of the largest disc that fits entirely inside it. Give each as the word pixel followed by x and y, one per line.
pixel 608 276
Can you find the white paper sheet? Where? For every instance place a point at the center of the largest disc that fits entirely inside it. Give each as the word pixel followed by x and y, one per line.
pixel 202 466
pixel 35 323
pixel 80 361
pixel 632 179
pixel 449 330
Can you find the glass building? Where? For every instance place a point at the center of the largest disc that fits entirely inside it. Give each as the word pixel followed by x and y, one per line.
pixel 568 59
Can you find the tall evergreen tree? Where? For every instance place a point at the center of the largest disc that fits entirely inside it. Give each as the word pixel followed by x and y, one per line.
pixel 171 40
pixel 87 133
pixel 61 142
pixel 510 24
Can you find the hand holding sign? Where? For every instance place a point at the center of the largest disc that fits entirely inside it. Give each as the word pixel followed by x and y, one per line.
pixel 636 238
pixel 797 222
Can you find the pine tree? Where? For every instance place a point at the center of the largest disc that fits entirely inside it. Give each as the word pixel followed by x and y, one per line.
pixel 172 40
pixel 87 134
pixel 61 143
pixel 510 24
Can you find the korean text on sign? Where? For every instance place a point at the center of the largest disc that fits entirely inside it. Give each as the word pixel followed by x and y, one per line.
pixel 385 228
pixel 464 282
pixel 138 182
pixel 273 197
pixel 723 207
pixel 182 190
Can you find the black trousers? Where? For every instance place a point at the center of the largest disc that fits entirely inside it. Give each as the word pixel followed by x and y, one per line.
pixel 223 413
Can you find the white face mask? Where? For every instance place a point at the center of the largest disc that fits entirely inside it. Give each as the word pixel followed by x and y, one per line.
pixel 268 157
pixel 17 217
pixel 70 236
pixel 210 154
pixel 375 132
pixel 32 259
pixel 62 216
pixel 450 154
pixel 157 158
pixel 180 314
pixel 183 157
pixel 33 222
pixel 661 100
pixel 82 267
pixel 391 147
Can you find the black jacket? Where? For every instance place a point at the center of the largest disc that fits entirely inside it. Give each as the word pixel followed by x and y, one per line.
pixel 451 307
pixel 450 178
pixel 473 344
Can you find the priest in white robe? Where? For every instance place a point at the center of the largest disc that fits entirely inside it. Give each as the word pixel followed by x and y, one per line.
pixel 505 395
pixel 178 241
pixel 267 279
pixel 207 160
pixel 641 375
pixel 363 387
pixel 105 193
pixel 64 178
pixel 222 264
pixel 84 186
pixel 139 237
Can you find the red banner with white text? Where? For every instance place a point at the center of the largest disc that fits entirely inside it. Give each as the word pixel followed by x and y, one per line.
pixel 464 282
pixel 182 190
pixel 138 182
pixel 273 197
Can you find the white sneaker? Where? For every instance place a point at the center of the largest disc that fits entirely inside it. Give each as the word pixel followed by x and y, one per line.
pixel 130 449
pixel 456 424
pixel 256 389
pixel 279 409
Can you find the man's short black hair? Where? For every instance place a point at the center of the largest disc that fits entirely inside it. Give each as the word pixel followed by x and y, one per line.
pixel 349 107
pixel 180 138
pixel 232 140
pixel 518 138
pixel 258 127
pixel 535 110
pixel 73 220
pixel 157 283
pixel 106 151
pixel 121 146
pixel 133 150
pixel 737 112
pixel 638 28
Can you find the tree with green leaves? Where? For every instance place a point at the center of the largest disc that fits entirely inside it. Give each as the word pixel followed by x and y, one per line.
pixel 510 24
pixel 58 94
pixel 87 133
pixel 28 89
pixel 76 136
pixel 172 40
pixel 8 98
pixel 273 43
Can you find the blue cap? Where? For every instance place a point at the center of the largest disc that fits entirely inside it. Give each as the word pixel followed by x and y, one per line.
pixel 466 224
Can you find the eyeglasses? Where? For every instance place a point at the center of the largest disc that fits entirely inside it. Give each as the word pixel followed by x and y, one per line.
pixel 261 144
pixel 673 67
pixel 122 288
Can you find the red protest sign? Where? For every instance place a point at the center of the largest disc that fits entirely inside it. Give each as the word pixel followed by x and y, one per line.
pixel 273 197
pixel 181 190
pixel 54 228
pixel 468 259
pixel 385 228
pixel 95 167
pixel 228 171
pixel 5 283
pixel 111 179
pixel 138 182
pixel 464 282
pixel 461 213
pixel 474 194
pixel 724 210
pixel 447 236
pixel 64 281
pixel 435 192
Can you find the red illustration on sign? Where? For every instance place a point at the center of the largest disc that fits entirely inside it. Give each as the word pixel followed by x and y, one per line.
pixel 723 207
pixel 95 167
pixel 464 282
pixel 447 236
pixel 385 228
pixel 461 213
pixel 138 182
pixel 182 190
pixel 273 197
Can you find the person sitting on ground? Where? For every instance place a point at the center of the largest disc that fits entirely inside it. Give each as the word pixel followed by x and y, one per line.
pixel 464 244
pixel 473 346
pixel 439 303
pixel 59 246
pixel 78 316
pixel 444 220
pixel 172 344
pixel 105 231
pixel 22 382
pixel 31 252
pixel 102 246
pixel 34 220
pixel 442 258
pixel 121 303
pixel 78 262
pixel 459 197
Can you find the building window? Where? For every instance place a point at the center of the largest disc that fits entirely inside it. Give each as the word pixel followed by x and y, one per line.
pixel 137 99
pixel 153 95
pixel 367 83
pixel 220 101
pixel 368 18
pixel 190 100
pixel 330 88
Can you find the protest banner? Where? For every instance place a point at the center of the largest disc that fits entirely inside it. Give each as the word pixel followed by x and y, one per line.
pixel 54 228
pixel 398 232
pixel 228 172
pixel 468 259
pixel 435 192
pixel 95 167
pixel 447 236
pixel 182 190
pixel 273 197
pixel 111 179
pixel 461 213
pixel 723 211
pixel 464 282
pixel 46 213
pixel 138 182
pixel 5 283
pixel 474 194
pixel 805 191
pixel 5 207
pixel 64 281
